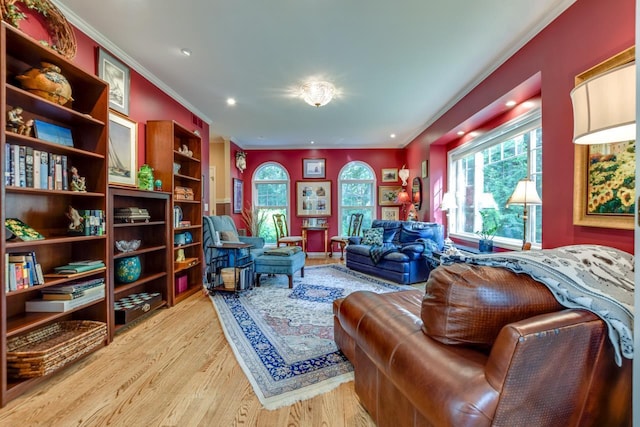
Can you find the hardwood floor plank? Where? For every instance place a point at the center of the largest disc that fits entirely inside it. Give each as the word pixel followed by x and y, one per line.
pixel 175 368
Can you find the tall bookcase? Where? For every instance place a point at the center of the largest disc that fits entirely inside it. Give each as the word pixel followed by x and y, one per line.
pixel 175 153
pixel 154 251
pixel 43 208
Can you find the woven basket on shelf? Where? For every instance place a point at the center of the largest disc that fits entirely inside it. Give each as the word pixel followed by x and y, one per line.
pixel 47 349
pixel 229 277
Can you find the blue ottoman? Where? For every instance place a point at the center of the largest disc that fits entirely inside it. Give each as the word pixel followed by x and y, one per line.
pixel 285 260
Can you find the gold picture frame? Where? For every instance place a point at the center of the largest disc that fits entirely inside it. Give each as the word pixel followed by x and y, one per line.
pixel 388 195
pixel 582 163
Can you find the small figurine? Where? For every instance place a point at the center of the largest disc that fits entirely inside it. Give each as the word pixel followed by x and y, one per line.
pixel 180 256
pixel 158 185
pixel 76 225
pixel 77 181
pixel 185 150
pixel 26 128
pixel 145 178
pixel 14 119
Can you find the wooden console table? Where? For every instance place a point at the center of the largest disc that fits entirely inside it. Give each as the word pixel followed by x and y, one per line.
pixel 307 228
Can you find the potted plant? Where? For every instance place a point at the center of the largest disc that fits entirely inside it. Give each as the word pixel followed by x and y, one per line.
pixel 490 226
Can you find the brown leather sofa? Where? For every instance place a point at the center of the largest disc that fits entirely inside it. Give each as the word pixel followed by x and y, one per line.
pixel 482 347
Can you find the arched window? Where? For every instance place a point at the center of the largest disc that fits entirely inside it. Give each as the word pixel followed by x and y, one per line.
pixel 356 194
pixel 270 196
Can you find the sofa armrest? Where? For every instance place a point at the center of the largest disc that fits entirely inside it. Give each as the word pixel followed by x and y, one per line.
pixel 412 250
pixel 257 242
pixel 355 240
pixel 546 361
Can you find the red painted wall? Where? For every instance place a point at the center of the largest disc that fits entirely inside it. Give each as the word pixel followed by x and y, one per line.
pixel 291 160
pixel 586 34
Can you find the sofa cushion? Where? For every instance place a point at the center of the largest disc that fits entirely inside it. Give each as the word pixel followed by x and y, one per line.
pixel 372 236
pixel 229 236
pixel 408 233
pixel 468 305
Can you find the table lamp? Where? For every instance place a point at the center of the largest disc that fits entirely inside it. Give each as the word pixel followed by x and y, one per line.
pixel 525 194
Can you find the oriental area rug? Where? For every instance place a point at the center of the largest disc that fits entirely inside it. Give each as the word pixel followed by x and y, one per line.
pixel 283 338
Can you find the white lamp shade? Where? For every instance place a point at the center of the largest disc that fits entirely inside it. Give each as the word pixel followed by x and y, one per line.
pixel 604 107
pixel 525 194
pixel 486 201
pixel 448 202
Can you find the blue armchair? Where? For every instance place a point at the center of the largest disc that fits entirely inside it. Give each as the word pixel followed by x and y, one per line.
pixel 224 225
pixel 402 256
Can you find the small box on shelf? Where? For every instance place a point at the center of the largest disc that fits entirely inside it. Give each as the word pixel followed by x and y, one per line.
pixel 135 305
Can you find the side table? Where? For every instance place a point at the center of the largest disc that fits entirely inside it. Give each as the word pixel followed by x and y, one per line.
pixel 307 228
pixel 230 255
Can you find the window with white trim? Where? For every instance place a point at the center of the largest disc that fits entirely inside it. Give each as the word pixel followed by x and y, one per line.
pixel 494 163
pixel 270 196
pixel 356 194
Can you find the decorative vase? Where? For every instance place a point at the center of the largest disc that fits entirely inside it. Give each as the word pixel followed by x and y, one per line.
pixel 47 82
pixel 485 245
pixel 128 269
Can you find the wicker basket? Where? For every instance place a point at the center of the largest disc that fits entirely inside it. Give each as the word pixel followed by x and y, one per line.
pixel 229 277
pixel 47 349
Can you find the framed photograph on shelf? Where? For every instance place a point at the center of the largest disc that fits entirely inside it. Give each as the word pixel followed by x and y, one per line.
pixel 237 195
pixel 390 214
pixel 118 76
pixel 604 178
pixel 388 195
pixel 390 175
pixel 313 168
pixel 123 150
pixel 52 133
pixel 313 198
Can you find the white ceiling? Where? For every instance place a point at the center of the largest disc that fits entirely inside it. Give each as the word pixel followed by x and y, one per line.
pixel 398 64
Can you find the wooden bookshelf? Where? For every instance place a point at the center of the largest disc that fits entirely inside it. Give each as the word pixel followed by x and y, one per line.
pixel 44 208
pixel 180 169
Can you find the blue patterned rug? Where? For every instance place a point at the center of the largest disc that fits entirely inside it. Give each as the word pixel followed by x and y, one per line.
pixel 283 338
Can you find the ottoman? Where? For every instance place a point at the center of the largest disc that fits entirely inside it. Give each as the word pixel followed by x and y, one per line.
pixel 285 260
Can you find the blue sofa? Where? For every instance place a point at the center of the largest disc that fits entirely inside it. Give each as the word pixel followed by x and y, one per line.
pixel 403 256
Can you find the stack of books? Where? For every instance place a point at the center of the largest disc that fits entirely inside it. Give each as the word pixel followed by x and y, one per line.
pixel 68 296
pixel 22 271
pixel 79 267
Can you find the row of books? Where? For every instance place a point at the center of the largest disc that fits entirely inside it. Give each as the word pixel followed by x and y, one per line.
pixel 93 222
pixel 68 296
pixel 26 167
pixel 23 271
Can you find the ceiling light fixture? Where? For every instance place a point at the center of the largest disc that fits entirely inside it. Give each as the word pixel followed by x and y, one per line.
pixel 393 135
pixel 510 103
pixel 185 51
pixel 317 93
pixel 231 101
pixel 460 132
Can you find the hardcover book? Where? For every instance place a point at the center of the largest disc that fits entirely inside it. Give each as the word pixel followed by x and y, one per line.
pixel 22 230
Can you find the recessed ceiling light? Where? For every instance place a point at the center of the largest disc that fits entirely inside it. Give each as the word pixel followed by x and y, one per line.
pixel 393 135
pixel 185 51
pixel 528 104
pixel 231 101
pixel 510 103
pixel 312 142
pixel 460 132
pixel 474 134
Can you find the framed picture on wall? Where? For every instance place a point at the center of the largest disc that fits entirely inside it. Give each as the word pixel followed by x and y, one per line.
pixel 123 150
pixel 390 214
pixel 118 76
pixel 388 195
pixel 425 168
pixel 313 168
pixel 390 175
pixel 313 198
pixel 237 195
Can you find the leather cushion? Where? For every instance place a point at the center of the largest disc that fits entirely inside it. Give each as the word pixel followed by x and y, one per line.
pixel 409 233
pixel 468 305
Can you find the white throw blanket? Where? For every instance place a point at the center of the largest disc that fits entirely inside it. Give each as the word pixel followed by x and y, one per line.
pixel 596 278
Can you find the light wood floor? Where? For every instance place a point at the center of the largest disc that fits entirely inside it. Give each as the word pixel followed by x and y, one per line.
pixel 173 369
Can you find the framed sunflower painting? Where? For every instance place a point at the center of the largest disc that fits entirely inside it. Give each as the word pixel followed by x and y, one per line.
pixel 605 185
